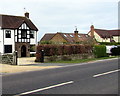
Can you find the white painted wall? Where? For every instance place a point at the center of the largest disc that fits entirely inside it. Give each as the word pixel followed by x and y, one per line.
pixel 10 41
pixel 1 41
pixel 33 40
pixel 97 37
pixel 116 38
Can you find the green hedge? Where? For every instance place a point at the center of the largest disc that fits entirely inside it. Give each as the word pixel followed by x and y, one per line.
pixel 108 43
pixel 100 51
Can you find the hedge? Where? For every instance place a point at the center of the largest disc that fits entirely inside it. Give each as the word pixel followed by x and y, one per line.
pixel 67 49
pixel 100 51
pixel 109 43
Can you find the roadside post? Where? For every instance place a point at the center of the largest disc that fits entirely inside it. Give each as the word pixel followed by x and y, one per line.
pixel 15 56
pixel 42 56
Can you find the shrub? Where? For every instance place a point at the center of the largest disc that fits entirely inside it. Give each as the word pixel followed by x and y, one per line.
pixel 46 42
pixel 32 48
pixel 32 55
pixel 109 43
pixel 68 49
pixel 100 51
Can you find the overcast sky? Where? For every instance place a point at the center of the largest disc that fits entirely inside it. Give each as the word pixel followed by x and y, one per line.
pixel 51 16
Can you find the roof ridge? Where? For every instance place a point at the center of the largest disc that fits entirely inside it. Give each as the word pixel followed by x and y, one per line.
pixel 108 30
pixel 12 15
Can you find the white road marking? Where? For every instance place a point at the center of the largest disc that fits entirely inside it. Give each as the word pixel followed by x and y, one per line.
pixel 46 88
pixel 106 73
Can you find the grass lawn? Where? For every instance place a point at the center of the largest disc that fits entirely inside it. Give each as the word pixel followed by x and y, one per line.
pixel 82 60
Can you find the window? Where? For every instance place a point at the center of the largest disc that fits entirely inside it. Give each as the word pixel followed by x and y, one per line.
pixel 71 35
pixel 65 35
pixel 79 36
pixel 23 34
pixel 86 35
pixel 7 48
pixel 8 34
pixel 31 34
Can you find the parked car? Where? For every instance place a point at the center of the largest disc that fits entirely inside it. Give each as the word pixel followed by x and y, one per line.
pixel 108 49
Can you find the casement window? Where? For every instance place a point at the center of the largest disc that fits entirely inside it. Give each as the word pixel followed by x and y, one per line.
pixel 31 34
pixel 7 48
pixel 23 34
pixel 8 34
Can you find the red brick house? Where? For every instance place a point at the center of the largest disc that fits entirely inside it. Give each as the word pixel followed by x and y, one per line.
pixel 69 38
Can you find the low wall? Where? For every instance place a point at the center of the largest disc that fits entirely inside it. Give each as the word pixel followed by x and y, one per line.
pixel 68 57
pixel 10 59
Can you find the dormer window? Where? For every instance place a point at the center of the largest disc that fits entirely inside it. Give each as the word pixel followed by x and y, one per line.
pixel 79 36
pixel 8 34
pixel 71 35
pixel 86 35
pixel 23 34
pixel 31 34
pixel 65 35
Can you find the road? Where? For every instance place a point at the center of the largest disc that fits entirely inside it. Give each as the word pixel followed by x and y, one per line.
pixel 99 77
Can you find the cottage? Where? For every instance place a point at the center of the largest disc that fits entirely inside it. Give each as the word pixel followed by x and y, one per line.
pixel 17 33
pixel 102 35
pixel 69 38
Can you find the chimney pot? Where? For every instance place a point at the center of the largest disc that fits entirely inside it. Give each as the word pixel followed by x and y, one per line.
pixel 27 15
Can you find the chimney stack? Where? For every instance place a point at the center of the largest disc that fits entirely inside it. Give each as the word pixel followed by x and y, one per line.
pixel 92 31
pixel 27 15
pixel 76 35
pixel 76 32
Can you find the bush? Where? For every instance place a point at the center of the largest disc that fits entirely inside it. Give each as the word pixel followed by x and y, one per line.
pixel 68 49
pixel 32 55
pixel 109 43
pixel 46 42
pixel 100 51
pixel 32 48
pixel 115 51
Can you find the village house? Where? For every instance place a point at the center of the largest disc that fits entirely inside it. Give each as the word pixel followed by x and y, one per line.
pixel 17 33
pixel 66 38
pixel 102 35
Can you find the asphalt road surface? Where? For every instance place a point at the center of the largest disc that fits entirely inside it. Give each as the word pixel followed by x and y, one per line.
pixel 99 77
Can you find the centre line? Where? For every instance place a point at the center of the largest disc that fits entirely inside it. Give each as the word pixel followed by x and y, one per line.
pixel 106 73
pixel 70 82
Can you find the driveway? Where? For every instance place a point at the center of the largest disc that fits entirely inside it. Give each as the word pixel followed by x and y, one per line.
pixel 24 64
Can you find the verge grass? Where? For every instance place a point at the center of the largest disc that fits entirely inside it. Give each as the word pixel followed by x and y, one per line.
pixel 82 60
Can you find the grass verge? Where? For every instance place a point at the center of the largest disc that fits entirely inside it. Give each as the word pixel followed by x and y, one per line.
pixel 83 60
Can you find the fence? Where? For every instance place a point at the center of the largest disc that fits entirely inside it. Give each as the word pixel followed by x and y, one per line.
pixel 8 58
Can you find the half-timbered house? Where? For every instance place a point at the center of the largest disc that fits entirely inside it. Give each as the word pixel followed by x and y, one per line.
pixel 17 33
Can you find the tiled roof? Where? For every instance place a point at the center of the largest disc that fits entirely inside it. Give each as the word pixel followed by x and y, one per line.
pixel 47 37
pixel 14 22
pixel 69 37
pixel 107 33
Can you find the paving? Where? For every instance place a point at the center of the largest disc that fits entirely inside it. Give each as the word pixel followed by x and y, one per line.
pixel 24 64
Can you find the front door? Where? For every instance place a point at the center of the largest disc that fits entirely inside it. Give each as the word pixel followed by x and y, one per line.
pixel 23 51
